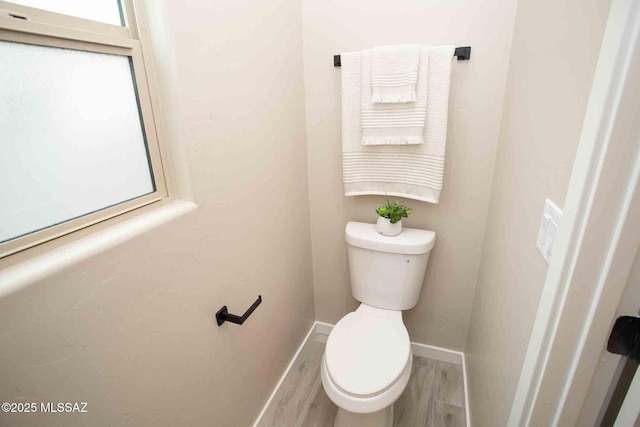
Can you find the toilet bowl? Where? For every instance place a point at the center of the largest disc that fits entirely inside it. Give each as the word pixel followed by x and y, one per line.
pixel 367 361
pixel 366 366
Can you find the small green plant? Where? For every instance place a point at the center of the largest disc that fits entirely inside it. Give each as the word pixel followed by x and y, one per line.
pixel 393 211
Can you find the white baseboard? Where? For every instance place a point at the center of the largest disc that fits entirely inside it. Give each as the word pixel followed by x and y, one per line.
pixel 319 331
pixel 437 353
pixel 323 328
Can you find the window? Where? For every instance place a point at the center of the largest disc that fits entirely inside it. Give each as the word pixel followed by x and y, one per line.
pixel 78 143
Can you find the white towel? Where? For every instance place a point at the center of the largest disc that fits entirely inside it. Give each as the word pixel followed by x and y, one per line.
pixel 416 171
pixel 394 124
pixel 394 73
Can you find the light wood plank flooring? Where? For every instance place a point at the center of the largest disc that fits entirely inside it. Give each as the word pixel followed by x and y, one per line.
pixel 434 396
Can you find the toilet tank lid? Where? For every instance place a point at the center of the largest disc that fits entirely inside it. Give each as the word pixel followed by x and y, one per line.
pixel 410 241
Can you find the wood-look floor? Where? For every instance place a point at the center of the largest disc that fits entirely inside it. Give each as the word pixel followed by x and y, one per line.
pixel 434 396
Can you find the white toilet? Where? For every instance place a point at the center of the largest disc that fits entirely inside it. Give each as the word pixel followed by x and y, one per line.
pixel 367 360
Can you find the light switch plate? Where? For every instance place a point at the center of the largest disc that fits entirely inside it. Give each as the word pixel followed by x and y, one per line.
pixel 548 229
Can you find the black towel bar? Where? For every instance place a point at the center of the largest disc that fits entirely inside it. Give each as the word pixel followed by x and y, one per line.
pixel 462 53
pixel 224 316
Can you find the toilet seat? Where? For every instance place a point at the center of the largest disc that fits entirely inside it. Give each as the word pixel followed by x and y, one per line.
pixel 364 404
pixel 367 351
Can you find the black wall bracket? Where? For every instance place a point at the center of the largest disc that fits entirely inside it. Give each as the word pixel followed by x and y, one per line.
pixel 224 316
pixel 462 53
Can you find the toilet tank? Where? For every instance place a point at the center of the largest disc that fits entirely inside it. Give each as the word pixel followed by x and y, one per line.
pixel 387 272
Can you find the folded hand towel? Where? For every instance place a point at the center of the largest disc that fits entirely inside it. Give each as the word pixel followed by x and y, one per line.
pixel 394 73
pixel 414 172
pixel 394 124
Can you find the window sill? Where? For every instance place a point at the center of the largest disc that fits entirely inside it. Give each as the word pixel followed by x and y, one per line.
pixel 31 269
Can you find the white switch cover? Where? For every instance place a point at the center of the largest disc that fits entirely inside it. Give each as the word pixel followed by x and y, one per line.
pixel 548 229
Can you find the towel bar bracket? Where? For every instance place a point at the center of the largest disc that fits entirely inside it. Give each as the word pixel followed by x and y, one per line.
pixel 463 53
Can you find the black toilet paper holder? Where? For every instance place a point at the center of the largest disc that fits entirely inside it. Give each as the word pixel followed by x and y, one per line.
pixel 224 316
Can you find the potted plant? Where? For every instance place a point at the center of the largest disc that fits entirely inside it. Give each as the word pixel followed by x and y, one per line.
pixel 390 220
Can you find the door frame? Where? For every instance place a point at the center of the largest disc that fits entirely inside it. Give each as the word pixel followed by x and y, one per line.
pixel 597 240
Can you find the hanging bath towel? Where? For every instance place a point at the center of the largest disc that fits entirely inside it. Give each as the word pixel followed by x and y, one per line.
pixel 411 171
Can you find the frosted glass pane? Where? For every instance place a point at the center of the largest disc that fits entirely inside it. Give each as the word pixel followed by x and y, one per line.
pixel 71 140
pixel 107 11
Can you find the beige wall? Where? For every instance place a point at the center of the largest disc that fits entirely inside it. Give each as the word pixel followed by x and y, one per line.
pixel 132 330
pixel 333 26
pixel 554 53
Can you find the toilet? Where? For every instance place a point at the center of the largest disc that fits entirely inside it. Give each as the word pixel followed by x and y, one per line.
pixel 367 360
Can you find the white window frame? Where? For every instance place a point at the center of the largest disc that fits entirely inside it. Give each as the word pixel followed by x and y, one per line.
pixel 23 24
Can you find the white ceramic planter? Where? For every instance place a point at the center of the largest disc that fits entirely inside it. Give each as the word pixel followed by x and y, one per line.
pixel 384 227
